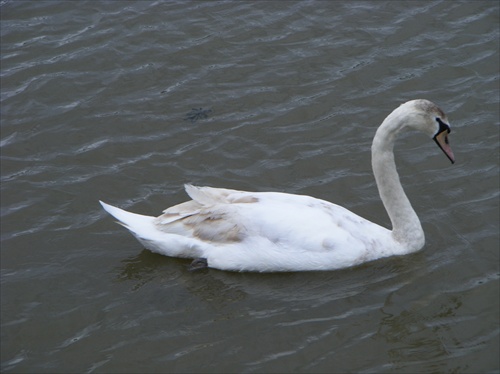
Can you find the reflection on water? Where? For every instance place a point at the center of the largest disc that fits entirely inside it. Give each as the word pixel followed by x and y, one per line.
pixel 411 339
pixel 140 269
pixel 148 266
pixel 417 335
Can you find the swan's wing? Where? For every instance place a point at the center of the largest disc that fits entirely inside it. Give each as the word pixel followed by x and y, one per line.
pixel 211 216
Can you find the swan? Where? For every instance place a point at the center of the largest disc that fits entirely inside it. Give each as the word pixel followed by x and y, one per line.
pixel 271 231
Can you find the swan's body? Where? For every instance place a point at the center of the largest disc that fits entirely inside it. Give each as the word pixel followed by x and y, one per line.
pixel 270 231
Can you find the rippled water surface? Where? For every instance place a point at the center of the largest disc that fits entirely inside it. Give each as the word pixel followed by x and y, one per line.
pixel 126 101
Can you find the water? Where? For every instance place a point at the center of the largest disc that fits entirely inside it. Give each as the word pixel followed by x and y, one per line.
pixel 96 100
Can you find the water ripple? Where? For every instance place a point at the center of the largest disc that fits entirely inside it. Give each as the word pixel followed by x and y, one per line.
pixel 94 100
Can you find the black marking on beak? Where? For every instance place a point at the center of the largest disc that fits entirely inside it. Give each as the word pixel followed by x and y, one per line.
pixel 442 127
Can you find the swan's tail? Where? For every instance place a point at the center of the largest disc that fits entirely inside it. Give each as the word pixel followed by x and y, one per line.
pixel 136 223
pixel 148 234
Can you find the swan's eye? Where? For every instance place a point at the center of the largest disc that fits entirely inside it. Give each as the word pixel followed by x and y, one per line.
pixel 442 126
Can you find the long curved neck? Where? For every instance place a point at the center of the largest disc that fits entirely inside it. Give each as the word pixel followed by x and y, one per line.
pixel 406 227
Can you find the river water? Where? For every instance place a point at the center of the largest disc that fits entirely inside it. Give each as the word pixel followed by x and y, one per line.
pixel 127 101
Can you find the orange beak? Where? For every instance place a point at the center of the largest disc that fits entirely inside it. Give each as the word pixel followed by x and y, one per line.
pixel 442 141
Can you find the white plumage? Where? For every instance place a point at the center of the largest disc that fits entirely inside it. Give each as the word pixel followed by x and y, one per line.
pixel 270 231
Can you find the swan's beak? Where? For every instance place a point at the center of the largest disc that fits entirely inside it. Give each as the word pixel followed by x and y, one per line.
pixel 442 141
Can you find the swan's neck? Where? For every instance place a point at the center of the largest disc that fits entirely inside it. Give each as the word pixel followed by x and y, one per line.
pixel 406 227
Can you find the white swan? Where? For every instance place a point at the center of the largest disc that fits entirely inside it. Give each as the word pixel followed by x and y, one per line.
pixel 270 231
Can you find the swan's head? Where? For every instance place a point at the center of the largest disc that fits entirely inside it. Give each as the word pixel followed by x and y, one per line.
pixel 426 116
